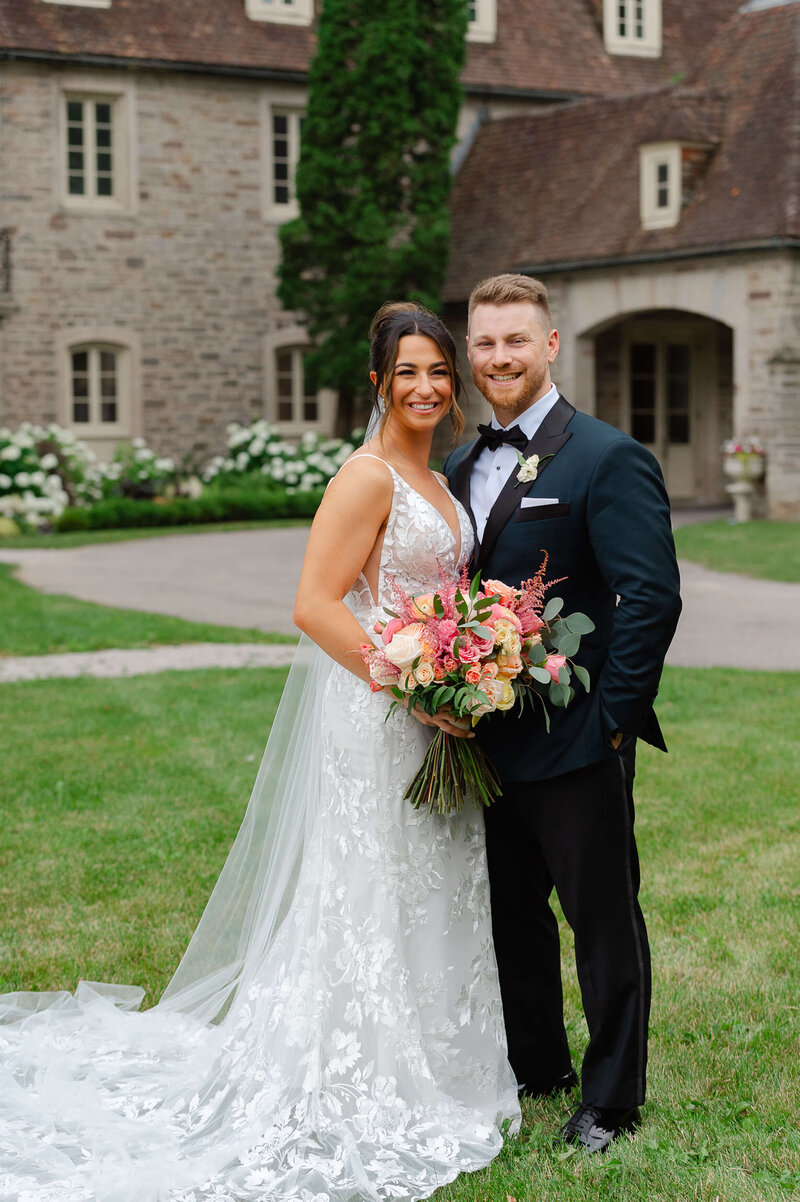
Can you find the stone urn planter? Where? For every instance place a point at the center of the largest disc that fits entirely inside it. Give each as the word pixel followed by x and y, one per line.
pixel 745 464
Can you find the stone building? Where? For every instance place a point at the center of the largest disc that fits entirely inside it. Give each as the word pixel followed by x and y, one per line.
pixel 147 152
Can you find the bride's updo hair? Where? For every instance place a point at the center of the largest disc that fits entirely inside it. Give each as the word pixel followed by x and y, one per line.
pixel 393 321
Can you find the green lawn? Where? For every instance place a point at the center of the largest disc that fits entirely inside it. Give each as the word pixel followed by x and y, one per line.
pixel 121 798
pixel 34 623
pixel 769 550
pixel 86 538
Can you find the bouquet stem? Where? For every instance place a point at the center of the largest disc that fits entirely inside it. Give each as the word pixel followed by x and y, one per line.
pixel 452 770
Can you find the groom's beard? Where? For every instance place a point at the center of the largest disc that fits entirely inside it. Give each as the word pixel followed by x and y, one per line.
pixel 511 401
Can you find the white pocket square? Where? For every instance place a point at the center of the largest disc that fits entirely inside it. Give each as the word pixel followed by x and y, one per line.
pixel 529 502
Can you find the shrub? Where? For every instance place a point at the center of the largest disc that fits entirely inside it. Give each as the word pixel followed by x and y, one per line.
pixel 215 505
pixel 260 451
pixel 41 470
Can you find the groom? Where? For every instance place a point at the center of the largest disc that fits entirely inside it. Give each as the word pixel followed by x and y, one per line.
pixel 599 508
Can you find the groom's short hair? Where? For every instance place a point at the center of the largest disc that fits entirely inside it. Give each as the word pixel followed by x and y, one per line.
pixel 510 289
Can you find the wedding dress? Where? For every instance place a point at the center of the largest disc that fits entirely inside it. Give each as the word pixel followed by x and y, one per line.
pixel 334 1031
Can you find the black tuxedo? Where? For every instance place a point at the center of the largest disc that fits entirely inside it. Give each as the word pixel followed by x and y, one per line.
pixel 566 816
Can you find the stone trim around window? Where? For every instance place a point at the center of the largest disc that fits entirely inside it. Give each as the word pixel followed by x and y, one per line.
pixel 281 12
pixel 284 393
pixel 660 184
pixel 482 25
pixel 632 27
pixel 282 117
pixel 82 3
pixel 96 134
pixel 102 435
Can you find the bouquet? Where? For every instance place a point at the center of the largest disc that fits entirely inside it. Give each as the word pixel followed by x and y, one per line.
pixel 470 649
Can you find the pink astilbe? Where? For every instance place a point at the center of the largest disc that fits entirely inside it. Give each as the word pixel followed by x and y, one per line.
pixel 530 601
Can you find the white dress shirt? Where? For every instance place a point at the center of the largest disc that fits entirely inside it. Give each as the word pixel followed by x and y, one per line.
pixel 491 469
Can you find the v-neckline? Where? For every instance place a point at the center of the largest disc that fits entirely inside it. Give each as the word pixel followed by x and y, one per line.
pixel 454 534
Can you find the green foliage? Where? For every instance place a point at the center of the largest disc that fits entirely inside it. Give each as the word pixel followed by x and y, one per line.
pixel 374 173
pixel 215 505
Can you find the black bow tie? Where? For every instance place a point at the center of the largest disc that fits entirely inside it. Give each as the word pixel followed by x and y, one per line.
pixel 515 436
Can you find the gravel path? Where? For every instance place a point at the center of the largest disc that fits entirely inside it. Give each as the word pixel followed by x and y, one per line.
pixel 248 578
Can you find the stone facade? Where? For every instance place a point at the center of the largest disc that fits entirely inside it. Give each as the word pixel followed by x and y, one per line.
pixel 186 271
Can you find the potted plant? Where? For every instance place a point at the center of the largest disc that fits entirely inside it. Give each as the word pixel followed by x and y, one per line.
pixel 743 459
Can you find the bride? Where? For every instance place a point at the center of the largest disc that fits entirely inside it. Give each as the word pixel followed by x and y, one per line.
pixel 334 1030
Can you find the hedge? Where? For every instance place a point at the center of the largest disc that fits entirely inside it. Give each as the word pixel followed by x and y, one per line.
pixel 236 505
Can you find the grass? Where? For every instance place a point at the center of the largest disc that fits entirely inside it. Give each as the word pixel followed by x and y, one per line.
pixel 86 538
pixel 122 797
pixel 768 550
pixel 34 623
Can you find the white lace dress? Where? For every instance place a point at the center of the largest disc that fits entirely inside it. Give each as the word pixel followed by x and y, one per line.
pixel 364 1058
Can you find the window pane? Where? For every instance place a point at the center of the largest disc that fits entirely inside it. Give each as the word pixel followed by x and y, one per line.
pixel 102 114
pixel 108 386
pixel 104 162
pixel 75 135
pixel 80 386
pixel 103 137
pixel 284 359
pixel 678 427
pixel 76 185
pixel 108 360
pixel 285 411
pixel 281 195
pixel 104 187
pixel 75 160
pixel 643 357
pixel 80 360
pixel 80 411
pixel 75 111
pixel 282 172
pixel 643 427
pixel 108 411
pixel 310 411
pixel 280 123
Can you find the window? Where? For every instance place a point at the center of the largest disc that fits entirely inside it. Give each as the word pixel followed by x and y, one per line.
pixel 482 25
pixel 98 384
pixel 283 131
pixel 632 27
pixel 96 172
pixel 295 401
pixel 660 185
pixel 282 12
pixel 288 399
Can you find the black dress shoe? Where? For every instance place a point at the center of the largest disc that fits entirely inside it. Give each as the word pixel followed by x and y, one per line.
pixel 594 1128
pixel 552 1088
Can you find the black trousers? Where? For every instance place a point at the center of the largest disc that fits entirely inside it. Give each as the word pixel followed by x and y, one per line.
pixel 574 832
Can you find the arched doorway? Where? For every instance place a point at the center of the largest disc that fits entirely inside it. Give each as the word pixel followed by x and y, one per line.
pixel 666 377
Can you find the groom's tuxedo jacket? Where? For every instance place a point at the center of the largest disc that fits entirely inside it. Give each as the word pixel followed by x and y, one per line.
pixel 605 524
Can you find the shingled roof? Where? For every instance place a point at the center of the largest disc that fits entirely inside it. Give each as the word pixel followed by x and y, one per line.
pixel 561 189
pixel 543 46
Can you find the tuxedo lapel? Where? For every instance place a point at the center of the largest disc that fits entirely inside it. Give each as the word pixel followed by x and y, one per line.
pixel 460 480
pixel 548 440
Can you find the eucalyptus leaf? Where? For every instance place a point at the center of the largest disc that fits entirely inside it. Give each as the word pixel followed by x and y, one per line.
pixel 582 675
pixel 540 674
pixel 564 675
pixel 554 606
pixel 537 654
pixel 579 623
pixel 568 643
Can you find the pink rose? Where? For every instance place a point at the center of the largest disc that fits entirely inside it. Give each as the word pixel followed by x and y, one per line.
pixel 468 651
pixel 531 622
pixel 553 663
pixel 473 674
pixel 389 629
pixel 503 613
pixel 448 633
pixel 483 645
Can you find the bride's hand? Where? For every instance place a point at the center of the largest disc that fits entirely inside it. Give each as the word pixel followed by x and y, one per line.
pixel 445 719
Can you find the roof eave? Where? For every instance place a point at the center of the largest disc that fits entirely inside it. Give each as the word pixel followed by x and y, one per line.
pixel 155 64
pixel 660 256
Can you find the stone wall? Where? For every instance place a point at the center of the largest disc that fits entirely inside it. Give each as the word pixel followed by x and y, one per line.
pixel 189 269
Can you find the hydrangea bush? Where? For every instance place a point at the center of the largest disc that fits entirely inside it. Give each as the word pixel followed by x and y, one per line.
pixel 259 449
pixel 42 470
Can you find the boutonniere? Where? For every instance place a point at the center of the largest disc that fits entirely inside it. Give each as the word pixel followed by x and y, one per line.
pixel 529 468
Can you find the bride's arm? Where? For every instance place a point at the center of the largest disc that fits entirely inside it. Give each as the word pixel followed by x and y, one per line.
pixel 349 520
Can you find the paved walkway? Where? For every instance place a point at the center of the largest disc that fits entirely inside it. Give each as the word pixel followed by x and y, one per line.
pixel 248 578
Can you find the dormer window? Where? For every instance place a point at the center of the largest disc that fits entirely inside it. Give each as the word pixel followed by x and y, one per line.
pixel 482 15
pixel 660 184
pixel 281 12
pixel 632 27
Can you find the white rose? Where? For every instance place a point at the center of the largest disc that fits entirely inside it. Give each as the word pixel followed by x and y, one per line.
pixel 406 646
pixel 424 672
pixel 529 470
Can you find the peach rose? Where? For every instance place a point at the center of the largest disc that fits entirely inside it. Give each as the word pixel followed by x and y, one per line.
pixel 501 613
pixel 489 671
pixel 424 672
pixel 509 665
pixel 422 605
pixel 405 646
pixel 472 674
pixel 449 663
pixel 504 591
